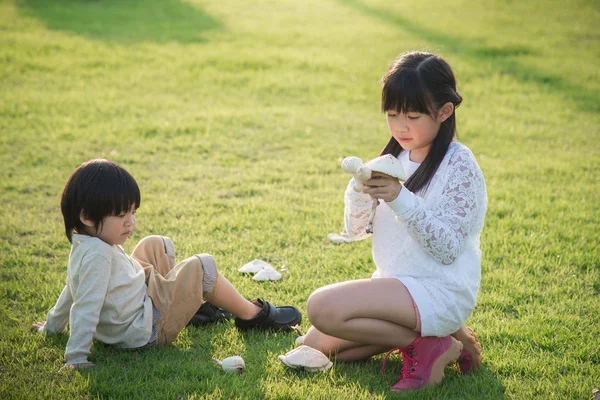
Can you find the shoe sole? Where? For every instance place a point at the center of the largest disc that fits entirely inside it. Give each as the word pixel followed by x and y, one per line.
pixel 449 357
pixel 472 346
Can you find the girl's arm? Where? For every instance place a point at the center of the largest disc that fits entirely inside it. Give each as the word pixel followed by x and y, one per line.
pixel 357 208
pixel 443 230
pixel 93 277
pixel 58 316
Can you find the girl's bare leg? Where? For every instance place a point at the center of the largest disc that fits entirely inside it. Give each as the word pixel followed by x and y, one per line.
pixel 375 312
pixel 227 297
pixel 340 349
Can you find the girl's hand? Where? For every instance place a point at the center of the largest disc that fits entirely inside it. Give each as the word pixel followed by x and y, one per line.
pixel 36 327
pixel 68 367
pixel 382 186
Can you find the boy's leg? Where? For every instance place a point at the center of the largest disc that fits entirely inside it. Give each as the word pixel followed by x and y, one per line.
pixel 179 294
pixel 369 311
pixel 255 314
pixel 157 251
pixel 227 297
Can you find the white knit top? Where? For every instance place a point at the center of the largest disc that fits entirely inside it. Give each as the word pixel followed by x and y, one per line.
pixel 430 240
pixel 104 298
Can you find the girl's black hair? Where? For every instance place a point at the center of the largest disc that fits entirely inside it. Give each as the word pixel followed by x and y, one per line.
pixel 421 82
pixel 97 189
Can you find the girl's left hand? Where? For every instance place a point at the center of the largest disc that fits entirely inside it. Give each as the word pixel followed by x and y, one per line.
pixel 382 186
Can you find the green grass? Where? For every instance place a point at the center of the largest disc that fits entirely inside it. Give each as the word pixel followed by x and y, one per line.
pixel 233 119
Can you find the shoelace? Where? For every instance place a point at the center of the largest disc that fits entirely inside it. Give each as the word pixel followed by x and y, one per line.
pixel 398 350
pixel 408 362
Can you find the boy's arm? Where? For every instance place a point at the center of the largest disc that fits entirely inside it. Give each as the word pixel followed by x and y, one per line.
pixel 93 276
pixel 58 316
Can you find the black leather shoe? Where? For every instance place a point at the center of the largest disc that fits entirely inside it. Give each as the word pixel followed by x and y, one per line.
pixel 271 317
pixel 209 314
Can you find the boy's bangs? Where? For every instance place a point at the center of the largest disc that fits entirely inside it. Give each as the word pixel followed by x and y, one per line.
pixel 123 195
pixel 114 193
pixel 403 93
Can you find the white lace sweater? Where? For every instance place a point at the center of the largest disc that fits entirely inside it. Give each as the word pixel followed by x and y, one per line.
pixel 430 240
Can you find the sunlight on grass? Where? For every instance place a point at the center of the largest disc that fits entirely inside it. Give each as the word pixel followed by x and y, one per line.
pixel 234 117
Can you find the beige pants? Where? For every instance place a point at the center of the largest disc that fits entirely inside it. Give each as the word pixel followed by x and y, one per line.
pixel 176 292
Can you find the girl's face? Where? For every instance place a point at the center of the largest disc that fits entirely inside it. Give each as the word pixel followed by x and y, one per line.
pixel 115 229
pixel 414 132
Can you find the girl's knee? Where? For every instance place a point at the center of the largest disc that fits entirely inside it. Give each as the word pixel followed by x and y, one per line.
pixel 320 310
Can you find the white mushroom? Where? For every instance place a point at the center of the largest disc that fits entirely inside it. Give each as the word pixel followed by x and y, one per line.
pixel 363 174
pixel 267 274
pixel 254 266
pixel 299 340
pixel 351 164
pixel 305 357
pixel 386 164
pixel 231 364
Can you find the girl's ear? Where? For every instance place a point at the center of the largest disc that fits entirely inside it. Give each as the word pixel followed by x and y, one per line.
pixel 445 112
pixel 86 221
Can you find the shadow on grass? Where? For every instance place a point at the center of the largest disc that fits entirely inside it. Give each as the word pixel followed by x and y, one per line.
pixel 130 21
pixel 499 59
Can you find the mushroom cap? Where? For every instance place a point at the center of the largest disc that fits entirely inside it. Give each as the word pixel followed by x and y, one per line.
pixel 351 164
pixel 267 274
pixel 387 164
pixel 231 364
pixel 306 357
pixel 254 266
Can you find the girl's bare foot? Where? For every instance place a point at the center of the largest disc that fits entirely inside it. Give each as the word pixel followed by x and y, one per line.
pixel 470 358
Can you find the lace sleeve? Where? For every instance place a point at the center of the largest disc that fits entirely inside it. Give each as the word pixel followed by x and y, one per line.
pixel 443 230
pixel 357 208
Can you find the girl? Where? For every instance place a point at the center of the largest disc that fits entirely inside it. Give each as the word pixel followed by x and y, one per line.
pixel 425 239
pixel 142 300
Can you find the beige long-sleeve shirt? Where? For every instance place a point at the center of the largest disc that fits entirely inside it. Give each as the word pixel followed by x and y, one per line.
pixel 104 297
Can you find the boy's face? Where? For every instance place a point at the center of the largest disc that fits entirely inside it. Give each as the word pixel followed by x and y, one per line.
pixel 115 229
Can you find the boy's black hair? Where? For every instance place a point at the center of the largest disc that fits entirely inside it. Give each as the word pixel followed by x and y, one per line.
pixel 421 82
pixel 97 189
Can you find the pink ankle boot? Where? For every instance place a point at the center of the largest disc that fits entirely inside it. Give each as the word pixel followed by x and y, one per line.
pixel 424 360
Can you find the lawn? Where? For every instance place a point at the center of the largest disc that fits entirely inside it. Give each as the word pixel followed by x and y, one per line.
pixel 234 116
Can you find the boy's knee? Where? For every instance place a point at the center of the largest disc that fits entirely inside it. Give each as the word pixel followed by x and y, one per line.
pixel 151 241
pixel 210 274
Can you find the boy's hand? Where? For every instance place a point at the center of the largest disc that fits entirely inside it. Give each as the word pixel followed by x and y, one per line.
pixel 37 326
pixel 68 367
